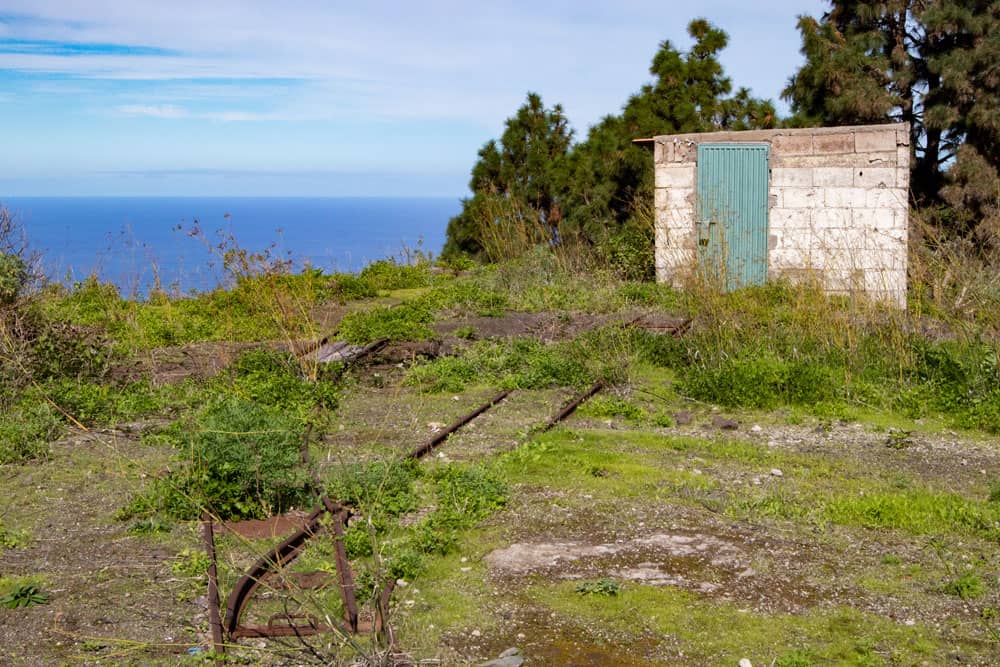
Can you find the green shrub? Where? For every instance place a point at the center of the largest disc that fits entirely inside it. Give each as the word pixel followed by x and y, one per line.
pixel 23 595
pixel 13 278
pixel 465 496
pixel 244 462
pixel 387 274
pixel 274 379
pixel 523 363
pixel 26 430
pixel 607 407
pixel 762 381
pixel 348 287
pixel 967 586
pixel 407 321
pixel 378 488
pixel 468 295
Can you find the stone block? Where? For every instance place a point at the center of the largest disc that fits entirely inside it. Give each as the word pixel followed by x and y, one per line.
pixel 677 258
pixel 837 177
pixel 845 197
pixel 798 177
pixel 872 219
pixel 903 156
pixel 887 280
pixel 884 159
pixel 831 218
pixel 891 198
pixel 801 197
pixel 875 140
pixel 903 136
pixel 788 258
pixel 674 176
pixel 842 142
pixel 680 198
pixel 792 144
pixel 902 178
pixel 779 219
pixel 873 177
pixel 839 238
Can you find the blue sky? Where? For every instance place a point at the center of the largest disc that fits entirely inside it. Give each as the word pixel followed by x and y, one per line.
pixel 326 98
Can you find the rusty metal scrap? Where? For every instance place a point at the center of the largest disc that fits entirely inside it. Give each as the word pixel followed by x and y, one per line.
pixel 280 556
pixel 214 621
pixel 571 406
pixel 425 448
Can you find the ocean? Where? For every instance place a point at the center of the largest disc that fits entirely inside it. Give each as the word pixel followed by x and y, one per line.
pixel 139 242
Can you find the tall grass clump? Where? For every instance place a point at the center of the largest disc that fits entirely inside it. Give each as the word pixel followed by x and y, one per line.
pixel 784 344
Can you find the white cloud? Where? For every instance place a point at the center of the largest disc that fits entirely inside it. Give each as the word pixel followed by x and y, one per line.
pixel 433 60
pixel 156 111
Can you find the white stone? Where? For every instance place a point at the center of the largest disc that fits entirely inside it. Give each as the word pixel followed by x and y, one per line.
pixel 841 177
pixel 875 219
pixel 801 198
pixel 792 176
pixel 892 198
pixel 831 218
pixel 870 177
pixel 674 176
pixel 845 197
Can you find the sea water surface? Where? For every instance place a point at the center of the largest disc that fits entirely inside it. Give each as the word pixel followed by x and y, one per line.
pixel 139 242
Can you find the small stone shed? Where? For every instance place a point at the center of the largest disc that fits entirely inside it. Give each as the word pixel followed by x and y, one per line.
pixel 824 204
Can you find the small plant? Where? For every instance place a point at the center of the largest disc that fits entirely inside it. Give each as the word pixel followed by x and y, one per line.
pixel 891 559
pixel 995 491
pixel 24 595
pixel 191 563
pixel 967 586
pixel 150 526
pixel 605 586
pixel 794 659
pixel 467 332
pixel 609 407
pixel 898 439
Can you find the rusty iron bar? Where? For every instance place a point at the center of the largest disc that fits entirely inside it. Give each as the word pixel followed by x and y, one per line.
pixel 214 620
pixel 570 407
pixel 348 591
pixel 279 556
pixel 426 448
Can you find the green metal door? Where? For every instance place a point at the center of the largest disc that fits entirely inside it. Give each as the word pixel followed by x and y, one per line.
pixel 732 213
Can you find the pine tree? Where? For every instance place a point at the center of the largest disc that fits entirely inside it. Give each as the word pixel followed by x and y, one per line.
pixel 525 170
pixel 933 64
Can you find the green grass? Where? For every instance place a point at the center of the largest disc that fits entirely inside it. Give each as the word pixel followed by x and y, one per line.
pixel 692 624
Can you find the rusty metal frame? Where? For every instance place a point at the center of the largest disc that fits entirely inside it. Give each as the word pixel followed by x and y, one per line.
pixel 280 556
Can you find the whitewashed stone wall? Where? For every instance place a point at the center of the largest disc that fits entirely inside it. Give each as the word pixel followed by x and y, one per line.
pixel 838 206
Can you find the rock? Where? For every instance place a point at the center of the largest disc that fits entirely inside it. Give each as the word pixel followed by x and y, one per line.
pixel 725 423
pixel 756 428
pixel 745 663
pixel 682 418
pixel 509 658
pixel 776 472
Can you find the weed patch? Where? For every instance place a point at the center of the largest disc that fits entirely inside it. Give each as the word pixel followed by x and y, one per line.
pixel 242 461
pixel 26 429
pixel 275 379
pixel 408 321
pixel 521 363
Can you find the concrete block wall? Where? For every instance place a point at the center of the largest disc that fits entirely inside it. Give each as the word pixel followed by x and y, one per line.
pixel 837 205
